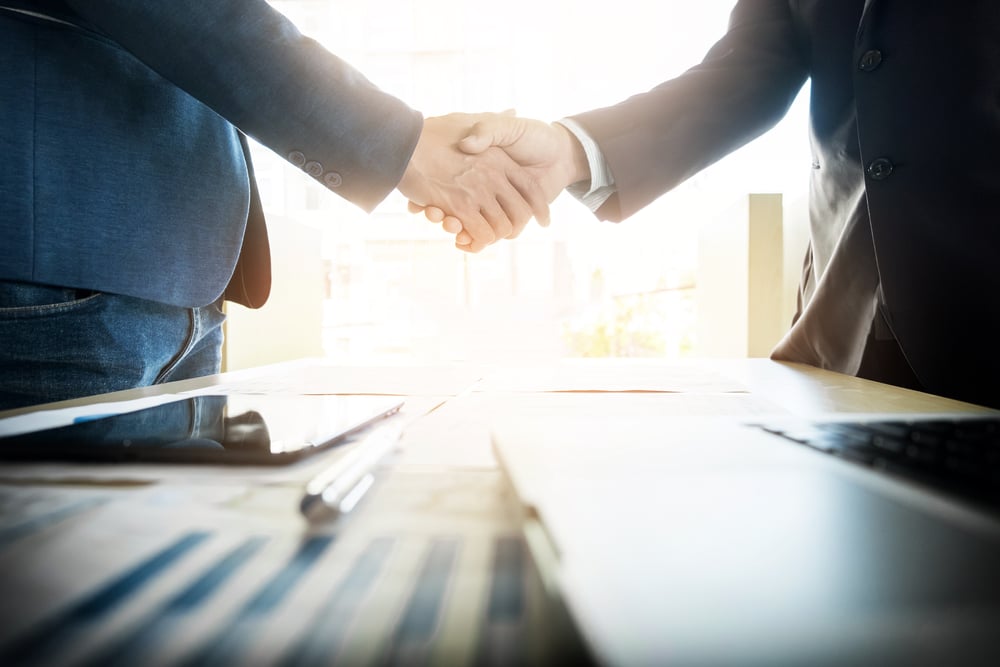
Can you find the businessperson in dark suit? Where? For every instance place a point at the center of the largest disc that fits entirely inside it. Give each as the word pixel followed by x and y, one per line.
pixel 901 281
pixel 128 208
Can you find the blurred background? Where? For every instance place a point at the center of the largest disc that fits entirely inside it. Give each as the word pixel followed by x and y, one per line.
pixel 708 270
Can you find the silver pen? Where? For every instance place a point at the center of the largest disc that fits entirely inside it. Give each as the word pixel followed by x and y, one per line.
pixel 337 490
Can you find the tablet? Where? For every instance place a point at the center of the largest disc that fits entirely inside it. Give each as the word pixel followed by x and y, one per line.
pixel 238 429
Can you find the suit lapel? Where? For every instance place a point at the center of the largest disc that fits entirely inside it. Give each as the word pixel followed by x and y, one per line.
pixel 868 5
pixel 864 18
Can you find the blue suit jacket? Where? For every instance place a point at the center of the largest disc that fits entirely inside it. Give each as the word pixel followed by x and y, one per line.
pixel 123 167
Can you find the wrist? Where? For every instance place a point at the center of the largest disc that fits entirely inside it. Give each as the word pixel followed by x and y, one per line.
pixel 572 157
pixel 409 183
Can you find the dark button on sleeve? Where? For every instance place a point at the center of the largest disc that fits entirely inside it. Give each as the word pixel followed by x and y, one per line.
pixel 880 169
pixel 297 158
pixel 870 60
pixel 332 179
pixel 314 169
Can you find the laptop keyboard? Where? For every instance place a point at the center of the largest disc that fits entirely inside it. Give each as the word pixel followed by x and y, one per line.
pixel 957 455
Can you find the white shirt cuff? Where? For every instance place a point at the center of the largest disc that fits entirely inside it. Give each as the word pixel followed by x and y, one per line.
pixel 594 193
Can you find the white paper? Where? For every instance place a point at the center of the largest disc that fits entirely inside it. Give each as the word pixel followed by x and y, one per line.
pixel 609 375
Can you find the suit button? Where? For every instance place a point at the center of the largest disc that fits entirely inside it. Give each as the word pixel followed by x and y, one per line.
pixel 314 169
pixel 880 169
pixel 870 60
pixel 298 158
pixel 332 179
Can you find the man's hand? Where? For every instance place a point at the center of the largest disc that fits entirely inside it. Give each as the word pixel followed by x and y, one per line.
pixel 548 152
pixel 492 195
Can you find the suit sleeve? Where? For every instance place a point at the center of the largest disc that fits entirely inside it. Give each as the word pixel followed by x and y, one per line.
pixel 253 67
pixel 655 140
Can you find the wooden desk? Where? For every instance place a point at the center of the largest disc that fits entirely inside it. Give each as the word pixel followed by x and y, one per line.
pixel 160 564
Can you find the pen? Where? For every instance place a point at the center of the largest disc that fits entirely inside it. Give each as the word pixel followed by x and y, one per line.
pixel 336 490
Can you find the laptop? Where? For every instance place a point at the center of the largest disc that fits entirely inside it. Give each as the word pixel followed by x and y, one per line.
pixel 708 541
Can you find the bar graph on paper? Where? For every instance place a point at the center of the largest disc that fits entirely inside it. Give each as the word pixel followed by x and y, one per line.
pixel 286 612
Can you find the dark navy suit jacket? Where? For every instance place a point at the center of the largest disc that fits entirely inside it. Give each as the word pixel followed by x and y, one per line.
pixel 905 131
pixel 121 162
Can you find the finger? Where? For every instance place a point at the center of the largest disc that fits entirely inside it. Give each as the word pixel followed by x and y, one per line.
pixel 479 138
pixel 463 238
pixel 496 215
pixel 434 214
pixel 474 247
pixel 518 211
pixel 497 130
pixel 451 224
pixel 531 193
pixel 479 230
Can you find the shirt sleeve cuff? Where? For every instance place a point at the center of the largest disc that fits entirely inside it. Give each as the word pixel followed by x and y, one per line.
pixel 602 184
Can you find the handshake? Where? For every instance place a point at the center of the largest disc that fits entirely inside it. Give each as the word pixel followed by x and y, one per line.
pixel 484 176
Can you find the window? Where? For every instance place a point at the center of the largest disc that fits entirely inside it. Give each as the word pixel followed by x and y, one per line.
pixel 394 286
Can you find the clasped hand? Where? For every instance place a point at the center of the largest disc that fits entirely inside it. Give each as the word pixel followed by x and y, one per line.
pixel 484 176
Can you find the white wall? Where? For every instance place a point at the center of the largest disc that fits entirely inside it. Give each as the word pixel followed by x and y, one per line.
pixel 290 324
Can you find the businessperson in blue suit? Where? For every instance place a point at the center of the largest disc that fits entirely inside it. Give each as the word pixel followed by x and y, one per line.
pixel 128 207
pixel 901 282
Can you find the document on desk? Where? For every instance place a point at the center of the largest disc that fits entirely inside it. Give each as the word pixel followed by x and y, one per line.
pixel 456 435
pixel 432 571
pixel 609 375
pixel 322 377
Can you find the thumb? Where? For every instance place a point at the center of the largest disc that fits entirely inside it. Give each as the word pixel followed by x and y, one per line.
pixel 499 130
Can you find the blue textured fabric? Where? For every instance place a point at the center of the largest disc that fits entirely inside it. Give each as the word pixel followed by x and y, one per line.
pixel 124 171
pixel 60 343
pixel 120 125
pixel 138 190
